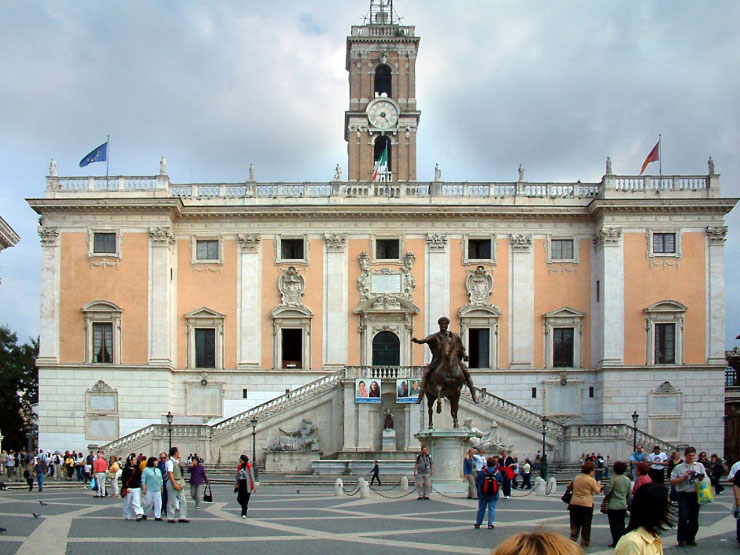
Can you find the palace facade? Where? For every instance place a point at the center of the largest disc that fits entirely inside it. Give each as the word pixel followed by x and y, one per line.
pixel 581 302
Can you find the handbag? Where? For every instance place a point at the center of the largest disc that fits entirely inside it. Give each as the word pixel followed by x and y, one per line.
pixel 93 484
pixel 605 503
pixel 207 494
pixel 568 494
pixel 124 489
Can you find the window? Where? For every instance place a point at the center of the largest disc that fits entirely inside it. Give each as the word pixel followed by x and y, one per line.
pixel 104 243
pixel 383 80
pixel 206 249
pixel 591 391
pixel 205 329
pixel 102 342
pixel 291 249
pixel 479 347
pixel 598 290
pixel 564 338
pixel 387 249
pixel 479 249
pixel 386 349
pixel 205 348
pixel 292 343
pixel 562 348
pixel 665 343
pixel 562 249
pixel 664 243
pixel 244 393
pixel 534 393
pixel 664 323
pixel 102 332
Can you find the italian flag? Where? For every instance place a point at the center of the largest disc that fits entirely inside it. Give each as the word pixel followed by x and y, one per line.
pixel 381 165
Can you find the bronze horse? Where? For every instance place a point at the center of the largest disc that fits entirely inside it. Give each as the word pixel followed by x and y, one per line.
pixel 447 378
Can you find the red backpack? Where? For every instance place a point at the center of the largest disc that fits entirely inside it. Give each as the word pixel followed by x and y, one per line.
pixel 490 484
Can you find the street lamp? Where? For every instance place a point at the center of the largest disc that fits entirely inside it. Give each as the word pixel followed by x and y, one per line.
pixel 543 459
pixel 635 417
pixel 253 422
pixel 169 427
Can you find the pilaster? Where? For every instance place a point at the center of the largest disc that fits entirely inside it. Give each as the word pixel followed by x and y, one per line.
pixel 336 300
pixel 249 307
pixel 716 294
pixel 437 286
pixel 610 328
pixel 50 295
pixel 522 301
pixel 161 241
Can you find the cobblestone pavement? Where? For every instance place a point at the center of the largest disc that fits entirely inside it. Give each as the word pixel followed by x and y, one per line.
pixel 310 519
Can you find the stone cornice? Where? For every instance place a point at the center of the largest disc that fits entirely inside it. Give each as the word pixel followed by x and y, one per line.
pixel 723 206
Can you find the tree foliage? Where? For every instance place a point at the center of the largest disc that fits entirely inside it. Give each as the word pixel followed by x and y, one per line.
pixel 19 388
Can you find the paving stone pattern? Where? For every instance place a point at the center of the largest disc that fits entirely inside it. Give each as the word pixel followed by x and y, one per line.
pixel 309 519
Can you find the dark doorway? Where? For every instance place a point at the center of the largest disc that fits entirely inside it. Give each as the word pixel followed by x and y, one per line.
pixel 292 348
pixel 386 349
pixel 479 348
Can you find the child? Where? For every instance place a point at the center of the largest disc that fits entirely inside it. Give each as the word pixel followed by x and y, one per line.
pixel 88 472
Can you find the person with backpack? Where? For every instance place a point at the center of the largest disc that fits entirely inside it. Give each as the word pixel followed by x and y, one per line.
pixel 488 482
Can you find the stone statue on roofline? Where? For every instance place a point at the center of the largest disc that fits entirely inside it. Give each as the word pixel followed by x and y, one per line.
pixel 521 173
pixel 53 168
pixel 163 166
pixel 338 173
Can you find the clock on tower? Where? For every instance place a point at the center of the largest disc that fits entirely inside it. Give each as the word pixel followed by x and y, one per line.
pixel 382 119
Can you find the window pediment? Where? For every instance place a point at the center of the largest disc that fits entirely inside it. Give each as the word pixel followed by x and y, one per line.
pixel 666 307
pixel 101 306
pixel 299 311
pixel 565 312
pixel 383 304
pixel 204 313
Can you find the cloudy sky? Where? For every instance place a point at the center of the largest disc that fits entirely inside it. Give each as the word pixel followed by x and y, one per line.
pixel 213 86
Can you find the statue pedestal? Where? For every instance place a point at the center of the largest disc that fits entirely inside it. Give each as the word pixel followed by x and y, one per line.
pixel 447 448
pixel 389 440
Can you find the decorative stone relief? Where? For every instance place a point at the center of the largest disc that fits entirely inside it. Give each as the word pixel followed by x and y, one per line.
pixel 249 242
pixel 335 242
pixel 291 285
pixel 101 387
pixel 49 236
pixel 665 387
pixel 479 285
pixel 385 281
pixel 162 236
pixel 608 236
pixel 521 243
pixel 437 242
pixel 717 235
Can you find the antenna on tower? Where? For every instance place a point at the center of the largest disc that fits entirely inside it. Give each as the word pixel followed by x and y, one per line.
pixel 381 13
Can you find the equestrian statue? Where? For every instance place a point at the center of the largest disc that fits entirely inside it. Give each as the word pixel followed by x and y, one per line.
pixel 446 373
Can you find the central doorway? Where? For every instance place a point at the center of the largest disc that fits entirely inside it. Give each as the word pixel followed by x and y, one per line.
pixel 386 349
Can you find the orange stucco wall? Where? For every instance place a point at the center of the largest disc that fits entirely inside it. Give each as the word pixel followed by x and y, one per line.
pixel 313 297
pixel 216 290
pixel 499 296
pixel 125 285
pixel 569 286
pixel 645 284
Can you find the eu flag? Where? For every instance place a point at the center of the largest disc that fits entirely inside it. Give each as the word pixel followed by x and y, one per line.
pixel 100 154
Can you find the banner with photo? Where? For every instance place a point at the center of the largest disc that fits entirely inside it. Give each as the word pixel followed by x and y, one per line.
pixel 407 390
pixel 367 390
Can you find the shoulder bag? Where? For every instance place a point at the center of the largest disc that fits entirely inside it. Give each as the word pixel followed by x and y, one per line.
pixel 568 494
pixel 124 489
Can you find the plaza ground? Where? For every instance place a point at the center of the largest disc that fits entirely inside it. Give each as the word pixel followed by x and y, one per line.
pixel 312 520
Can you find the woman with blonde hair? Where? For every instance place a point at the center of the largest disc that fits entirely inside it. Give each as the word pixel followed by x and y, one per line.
pixel 539 542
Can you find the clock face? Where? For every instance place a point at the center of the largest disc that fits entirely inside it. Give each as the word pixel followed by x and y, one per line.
pixel 382 114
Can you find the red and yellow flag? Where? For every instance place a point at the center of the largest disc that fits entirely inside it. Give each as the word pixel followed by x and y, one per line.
pixel 654 156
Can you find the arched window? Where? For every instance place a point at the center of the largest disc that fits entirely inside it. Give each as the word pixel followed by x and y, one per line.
pixel 384 166
pixel 382 80
pixel 386 349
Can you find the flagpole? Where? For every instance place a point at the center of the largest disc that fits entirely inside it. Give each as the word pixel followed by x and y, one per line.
pixel 107 158
pixel 660 159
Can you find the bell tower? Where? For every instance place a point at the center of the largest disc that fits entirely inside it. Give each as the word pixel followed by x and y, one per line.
pixel 381 122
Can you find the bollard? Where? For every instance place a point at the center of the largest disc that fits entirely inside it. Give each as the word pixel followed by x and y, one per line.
pixel 338 487
pixel 404 485
pixel 364 489
pixel 552 486
pixel 539 487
